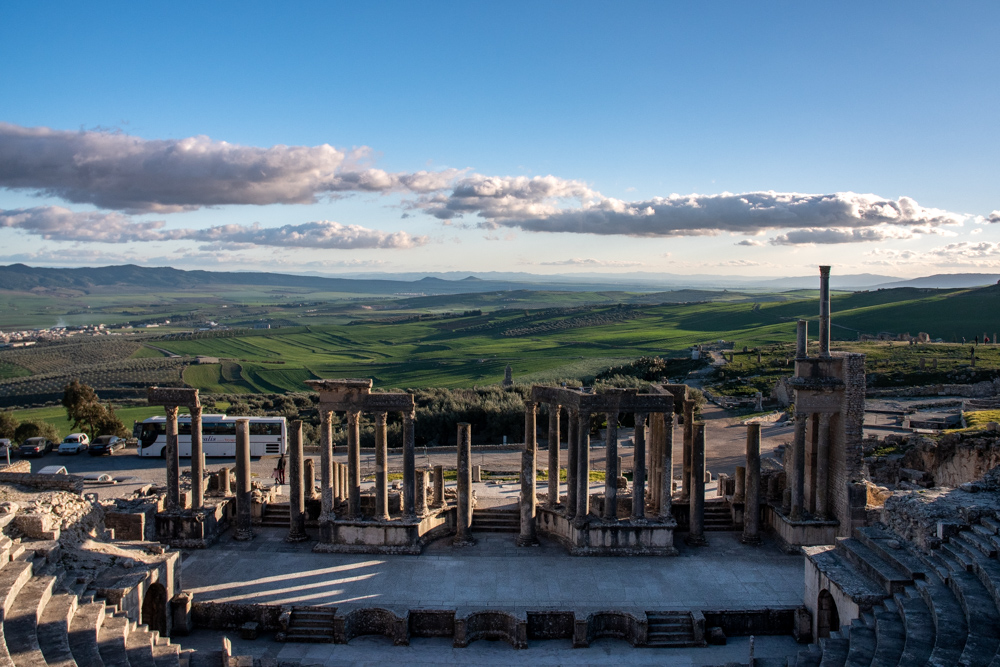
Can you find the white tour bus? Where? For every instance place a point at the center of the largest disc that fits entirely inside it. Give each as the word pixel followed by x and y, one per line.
pixel 218 435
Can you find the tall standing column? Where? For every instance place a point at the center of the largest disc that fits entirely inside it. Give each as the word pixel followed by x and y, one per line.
pixel 802 340
pixel 824 311
pixel 583 469
pixel 751 507
pixel 696 531
pixel 572 459
pixel 798 480
pixel 639 469
pixel 528 458
pixel 653 462
pixel 326 479
pixel 438 486
pixel 296 495
pixel 463 532
pixel 244 497
pixel 173 461
pixel 409 468
pixel 667 467
pixel 689 406
pixel 353 465
pixel 823 467
pixel 381 474
pixel 611 472
pixel 197 461
pixel 553 493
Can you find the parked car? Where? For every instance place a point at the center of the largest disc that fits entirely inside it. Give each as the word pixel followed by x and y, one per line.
pixel 36 447
pixel 106 444
pixel 74 443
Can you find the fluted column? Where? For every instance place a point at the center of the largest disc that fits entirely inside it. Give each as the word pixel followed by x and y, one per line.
pixel 751 507
pixel 353 465
pixel 528 459
pixel 409 468
pixel 197 461
pixel 463 533
pixel 296 494
pixel 173 461
pixel 583 469
pixel 244 497
pixel 553 491
pixel 381 475
pixel 823 467
pixel 798 477
pixel 326 478
pixel 572 458
pixel 639 469
pixel 696 518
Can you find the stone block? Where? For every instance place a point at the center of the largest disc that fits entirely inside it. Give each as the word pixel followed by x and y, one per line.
pixel 249 630
pixel 180 612
pixel 716 636
pixel 37 526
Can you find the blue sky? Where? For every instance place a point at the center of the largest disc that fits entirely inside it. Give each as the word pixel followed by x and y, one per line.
pixel 541 137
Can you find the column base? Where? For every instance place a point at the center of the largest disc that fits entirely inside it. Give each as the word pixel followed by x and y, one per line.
pixel 751 540
pixel 526 541
pixel 695 540
pixel 296 537
pixel 466 541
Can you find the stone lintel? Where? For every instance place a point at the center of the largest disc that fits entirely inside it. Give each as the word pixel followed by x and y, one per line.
pixel 621 400
pixel 367 403
pixel 181 396
pixel 828 402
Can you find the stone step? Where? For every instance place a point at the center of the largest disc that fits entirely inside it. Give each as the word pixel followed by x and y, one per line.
pixel 892 550
pixel 84 629
pixel 54 628
pixel 950 628
pixel 980 611
pixel 670 629
pixel 991 524
pixel 862 644
pixel 871 565
pixel 139 646
pixel 166 655
pixel 835 651
pixel 890 637
pixel 21 622
pixel 919 627
pixel 968 538
pixel 308 638
pixel 810 657
pixel 112 639
pixel 13 577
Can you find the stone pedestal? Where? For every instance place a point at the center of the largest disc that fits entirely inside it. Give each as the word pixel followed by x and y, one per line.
pixel 244 498
pixel 463 528
pixel 296 494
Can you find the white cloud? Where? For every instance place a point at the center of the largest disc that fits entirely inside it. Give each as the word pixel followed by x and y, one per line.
pixel 968 254
pixel 61 224
pixel 587 261
pixel 320 234
pixel 839 235
pixel 121 172
pixel 750 242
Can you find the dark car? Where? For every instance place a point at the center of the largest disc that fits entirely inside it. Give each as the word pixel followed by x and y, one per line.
pixel 36 447
pixel 106 444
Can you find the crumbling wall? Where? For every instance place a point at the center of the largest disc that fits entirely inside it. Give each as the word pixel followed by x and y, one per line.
pixel 949 460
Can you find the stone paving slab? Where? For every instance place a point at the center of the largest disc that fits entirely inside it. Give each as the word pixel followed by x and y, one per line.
pixel 495 574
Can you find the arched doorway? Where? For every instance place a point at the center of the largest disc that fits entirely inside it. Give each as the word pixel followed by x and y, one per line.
pixel 154 609
pixel 827 618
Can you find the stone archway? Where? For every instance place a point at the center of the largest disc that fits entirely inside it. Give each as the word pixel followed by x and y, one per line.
pixel 827 617
pixel 154 609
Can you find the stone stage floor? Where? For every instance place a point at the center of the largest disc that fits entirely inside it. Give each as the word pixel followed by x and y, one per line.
pixel 495 574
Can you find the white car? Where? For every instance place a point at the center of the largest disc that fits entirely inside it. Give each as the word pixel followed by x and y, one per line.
pixel 74 443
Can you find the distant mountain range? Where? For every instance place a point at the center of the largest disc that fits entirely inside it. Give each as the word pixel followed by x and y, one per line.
pixel 20 277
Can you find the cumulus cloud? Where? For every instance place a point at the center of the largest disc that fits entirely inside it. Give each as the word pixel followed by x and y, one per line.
pixel 120 172
pixel 750 242
pixel 839 235
pixel 994 216
pixel 60 224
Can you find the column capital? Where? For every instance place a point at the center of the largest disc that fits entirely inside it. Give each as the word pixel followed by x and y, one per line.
pixel 380 418
pixel 353 416
pixel 530 405
pixel 171 411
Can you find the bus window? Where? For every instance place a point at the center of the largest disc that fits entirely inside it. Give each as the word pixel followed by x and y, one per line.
pixel 219 428
pixel 150 432
pixel 265 428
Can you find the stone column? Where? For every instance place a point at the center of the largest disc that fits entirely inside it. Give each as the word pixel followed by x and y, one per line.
pixel 528 456
pixel 438 486
pixel 353 465
pixel 244 496
pixel 572 457
pixel 308 478
pixel 751 507
pixel 463 529
pixel 801 340
pixel 225 488
pixel 740 479
pixel 823 467
pixel 344 481
pixel 696 532
pixel 652 464
pixel 553 493
pixel 639 469
pixel 666 467
pixel 337 486
pixel 798 476
pixel 410 468
pixel 296 496
pixel 611 471
pixel 824 311
pixel 583 470
pixel 421 499
pixel 327 481
pixel 689 406
pixel 173 461
pixel 197 461
pixel 381 473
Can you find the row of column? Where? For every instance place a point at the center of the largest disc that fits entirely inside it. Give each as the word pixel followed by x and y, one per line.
pixel 821 474
pixel 174 463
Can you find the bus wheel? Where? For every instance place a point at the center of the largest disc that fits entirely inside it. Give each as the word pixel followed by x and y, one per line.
pixel 163 453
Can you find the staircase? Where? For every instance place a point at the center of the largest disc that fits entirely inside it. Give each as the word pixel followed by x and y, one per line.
pixel 936 608
pixel 668 629
pixel 718 516
pixel 277 515
pixel 45 622
pixel 310 624
pixel 496 520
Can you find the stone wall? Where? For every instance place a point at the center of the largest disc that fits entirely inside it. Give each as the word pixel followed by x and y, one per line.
pixel 949 460
pixel 70 483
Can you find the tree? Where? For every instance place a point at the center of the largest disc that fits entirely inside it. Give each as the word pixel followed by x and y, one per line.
pixel 8 424
pixel 32 429
pixel 87 414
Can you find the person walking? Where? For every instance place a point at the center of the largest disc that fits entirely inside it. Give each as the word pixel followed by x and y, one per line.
pixel 280 470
